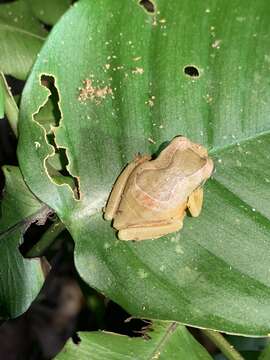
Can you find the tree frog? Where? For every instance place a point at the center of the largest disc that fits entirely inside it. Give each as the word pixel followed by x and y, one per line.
pixel 150 197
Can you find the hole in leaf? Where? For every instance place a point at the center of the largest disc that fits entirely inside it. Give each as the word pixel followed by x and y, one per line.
pixel 49 117
pixel 33 234
pixel 191 71
pixel 148 5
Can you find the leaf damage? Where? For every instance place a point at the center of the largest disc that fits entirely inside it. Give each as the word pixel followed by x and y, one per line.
pixel 49 116
pixel 94 93
pixel 149 6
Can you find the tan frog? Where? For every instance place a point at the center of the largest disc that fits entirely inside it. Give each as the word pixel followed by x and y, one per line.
pixel 150 197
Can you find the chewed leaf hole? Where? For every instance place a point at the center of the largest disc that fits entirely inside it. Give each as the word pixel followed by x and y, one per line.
pixel 49 117
pixel 148 5
pixel 191 71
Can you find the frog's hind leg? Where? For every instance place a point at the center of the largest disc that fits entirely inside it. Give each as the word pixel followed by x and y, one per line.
pixel 118 187
pixel 150 232
pixel 195 202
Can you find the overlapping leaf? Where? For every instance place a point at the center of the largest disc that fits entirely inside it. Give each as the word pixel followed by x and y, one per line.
pixel 21 37
pixel 20 279
pixel 167 341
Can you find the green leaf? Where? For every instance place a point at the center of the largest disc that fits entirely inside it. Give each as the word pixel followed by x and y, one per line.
pixel 265 355
pixel 243 343
pixel 46 240
pixel 2 101
pixel 215 272
pixel 21 37
pixel 10 107
pixel 249 348
pixel 20 279
pixel 168 341
pixel 49 11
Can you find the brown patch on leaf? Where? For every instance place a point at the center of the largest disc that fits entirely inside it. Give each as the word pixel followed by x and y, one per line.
pixel 93 93
pixel 151 101
pixel 138 70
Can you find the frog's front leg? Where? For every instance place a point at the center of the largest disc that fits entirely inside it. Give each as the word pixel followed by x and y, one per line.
pixel 150 232
pixel 118 188
pixel 195 202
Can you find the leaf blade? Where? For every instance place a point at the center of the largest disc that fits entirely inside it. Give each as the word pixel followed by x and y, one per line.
pixel 167 340
pixel 195 276
pixel 21 279
pixel 21 37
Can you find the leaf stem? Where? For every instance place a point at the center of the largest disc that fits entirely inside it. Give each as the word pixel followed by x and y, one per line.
pixel 224 346
pixel 11 108
pixel 46 239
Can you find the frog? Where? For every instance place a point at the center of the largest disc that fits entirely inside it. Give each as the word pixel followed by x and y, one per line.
pixel 151 196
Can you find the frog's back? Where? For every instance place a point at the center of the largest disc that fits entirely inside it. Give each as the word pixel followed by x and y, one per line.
pixel 170 181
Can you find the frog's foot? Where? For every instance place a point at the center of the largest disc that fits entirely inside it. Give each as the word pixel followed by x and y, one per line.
pixel 150 232
pixel 195 202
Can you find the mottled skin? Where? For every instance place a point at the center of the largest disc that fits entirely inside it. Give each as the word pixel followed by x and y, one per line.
pixel 150 197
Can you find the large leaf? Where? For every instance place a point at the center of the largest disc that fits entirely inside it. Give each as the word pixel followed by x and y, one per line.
pixel 21 37
pixel 20 279
pixel 168 341
pixel 215 272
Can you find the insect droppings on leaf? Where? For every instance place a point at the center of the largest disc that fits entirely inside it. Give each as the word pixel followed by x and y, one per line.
pixel 138 70
pixel 93 93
